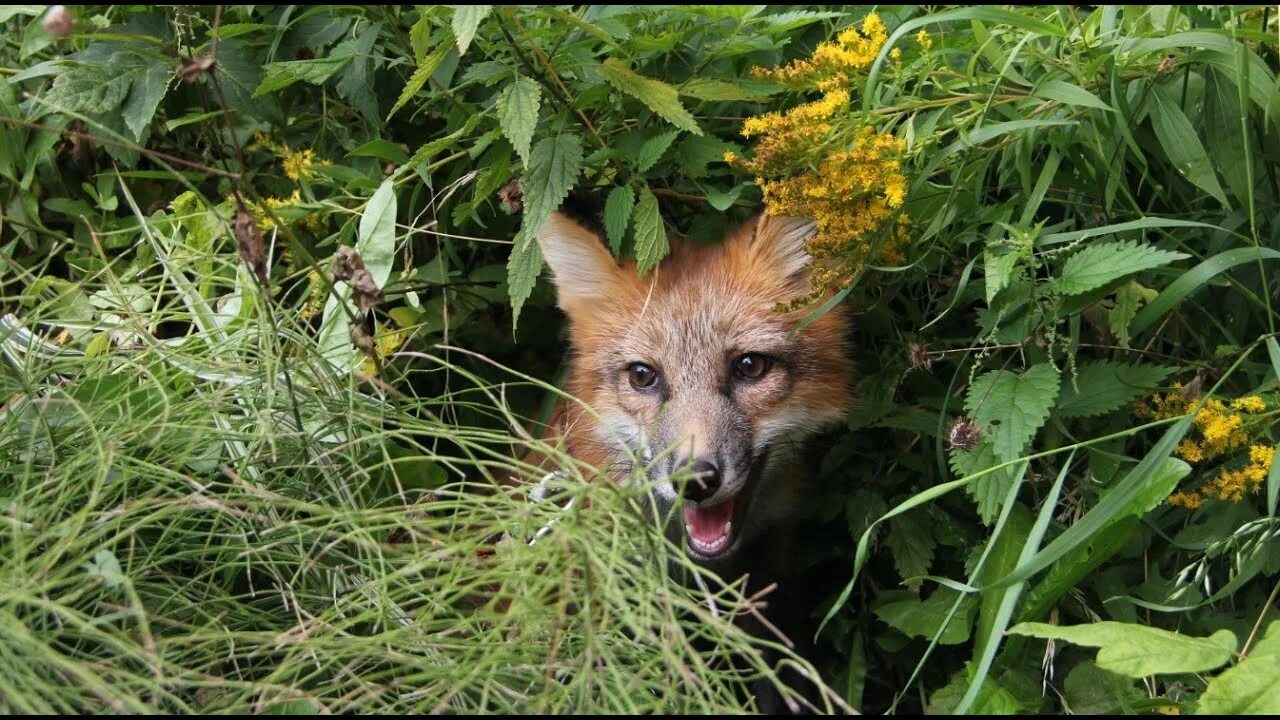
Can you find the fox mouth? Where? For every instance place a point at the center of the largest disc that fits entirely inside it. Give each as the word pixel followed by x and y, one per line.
pixel 709 529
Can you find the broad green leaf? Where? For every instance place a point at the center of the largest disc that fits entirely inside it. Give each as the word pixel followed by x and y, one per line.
pixel 999 271
pixel 518 105
pixel 1129 297
pixel 1181 144
pixel 89 90
pixel 554 166
pixel 383 150
pixel 1071 94
pixel 1103 386
pixel 466 18
pixel 148 89
pixel 1250 688
pixel 924 618
pixel 716 90
pixel 910 541
pixel 655 94
pixel 724 200
pixel 425 70
pixel 10 11
pixel 989 490
pixel 1137 650
pixel 1100 263
pixel 280 75
pixel 1012 407
pixel 652 150
pixel 1090 690
pixel 651 236
pixel 106 568
pixel 617 215
pixel 993 698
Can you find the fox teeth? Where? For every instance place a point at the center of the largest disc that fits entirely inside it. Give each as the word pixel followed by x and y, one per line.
pixel 688 528
pixel 728 525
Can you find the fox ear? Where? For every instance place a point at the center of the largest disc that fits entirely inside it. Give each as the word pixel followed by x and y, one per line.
pixel 779 244
pixel 584 270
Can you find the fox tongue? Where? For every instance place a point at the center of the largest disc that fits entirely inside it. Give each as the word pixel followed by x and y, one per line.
pixel 707 524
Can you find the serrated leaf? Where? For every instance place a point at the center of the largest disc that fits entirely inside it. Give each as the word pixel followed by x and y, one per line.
pixel 716 91
pixel 998 269
pixel 617 215
pixel 1011 408
pixel 280 75
pixel 989 490
pixel 1101 387
pixel 466 18
pixel 518 105
pixel 523 268
pixel 1099 264
pixel 651 236
pixel 425 70
pixel 1250 688
pixel 910 541
pixel 1090 690
pixel 655 94
pixel 1137 650
pixel 89 90
pixel 1182 144
pixel 993 698
pixel 554 166
pixel 652 150
pixel 916 618
pixel 147 92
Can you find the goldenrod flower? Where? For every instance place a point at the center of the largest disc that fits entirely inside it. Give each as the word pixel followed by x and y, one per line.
pixel 923 39
pixel 299 164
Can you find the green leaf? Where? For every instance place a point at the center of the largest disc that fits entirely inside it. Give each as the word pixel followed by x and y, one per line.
pixel 655 94
pixel 466 18
pixel 617 215
pixel 554 166
pixel 1090 690
pixel 1250 688
pixel 523 268
pixel 999 270
pixel 989 490
pixel 1193 279
pixel 148 89
pixel 651 236
pixel 716 91
pixel 517 106
pixel 376 245
pixel 425 70
pixel 1137 650
pixel 89 90
pixel 1011 407
pixel 910 541
pixel 107 568
pixel 917 618
pixel 1099 264
pixel 1129 297
pixel 992 699
pixel 280 75
pixel 1182 145
pixel 652 150
pixel 383 150
pixel 724 200
pixel 1071 94
pixel 1101 387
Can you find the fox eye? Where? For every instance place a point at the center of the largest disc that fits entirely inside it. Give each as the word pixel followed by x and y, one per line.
pixel 752 366
pixel 642 376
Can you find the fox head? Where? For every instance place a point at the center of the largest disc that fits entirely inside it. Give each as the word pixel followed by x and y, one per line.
pixel 694 372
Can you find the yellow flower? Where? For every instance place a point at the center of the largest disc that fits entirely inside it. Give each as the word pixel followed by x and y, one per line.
pixel 1191 500
pixel 923 39
pixel 833 62
pixel 299 164
pixel 1251 404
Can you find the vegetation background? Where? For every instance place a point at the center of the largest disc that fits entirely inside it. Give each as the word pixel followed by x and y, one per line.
pixel 243 469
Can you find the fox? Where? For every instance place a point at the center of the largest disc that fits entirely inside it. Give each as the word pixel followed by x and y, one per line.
pixel 704 371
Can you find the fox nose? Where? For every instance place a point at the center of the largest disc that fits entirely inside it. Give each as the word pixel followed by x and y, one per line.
pixel 704 483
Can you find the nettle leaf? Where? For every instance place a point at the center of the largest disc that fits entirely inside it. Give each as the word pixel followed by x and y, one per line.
pixel 89 90
pixel 917 618
pixel 1101 387
pixel 425 70
pixel 617 215
pixel 989 490
pixel 657 95
pixel 1137 650
pixel 554 167
pixel 466 18
pixel 1012 407
pixel 1099 264
pixel 716 90
pixel 1250 688
pixel 1090 690
pixel 1181 144
pixel 148 90
pixel 518 105
pixel 999 269
pixel 651 236
pixel 911 543
pixel 280 75
pixel 653 149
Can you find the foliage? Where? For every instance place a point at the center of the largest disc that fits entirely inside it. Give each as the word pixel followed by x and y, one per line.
pixel 241 465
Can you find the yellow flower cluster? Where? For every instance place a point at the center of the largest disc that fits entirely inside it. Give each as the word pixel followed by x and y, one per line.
pixel 1219 429
pixel 814 161
pixel 832 63
pixel 299 164
pixel 386 342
